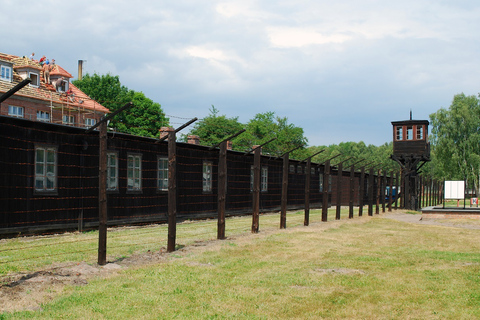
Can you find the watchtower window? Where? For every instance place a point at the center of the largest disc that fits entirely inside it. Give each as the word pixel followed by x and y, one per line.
pixel 419 132
pixel 399 135
pixel 409 132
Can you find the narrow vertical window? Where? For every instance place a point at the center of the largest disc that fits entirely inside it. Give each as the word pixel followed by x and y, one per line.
pixel 320 178
pixel 409 132
pixel 134 172
pixel 264 179
pixel 207 177
pixel 419 132
pixel 112 171
pixel 252 175
pixel 162 174
pixel 6 73
pixel 45 169
pixel 399 133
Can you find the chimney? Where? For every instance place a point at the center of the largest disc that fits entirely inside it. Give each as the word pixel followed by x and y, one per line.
pixel 229 145
pixel 80 69
pixel 164 131
pixel 193 139
pixel 257 145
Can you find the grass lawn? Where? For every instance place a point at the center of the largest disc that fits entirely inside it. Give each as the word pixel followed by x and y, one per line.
pixel 365 268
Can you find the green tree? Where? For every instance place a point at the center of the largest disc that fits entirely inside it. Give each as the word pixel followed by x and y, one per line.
pixel 145 118
pixel 266 126
pixel 455 140
pixel 213 129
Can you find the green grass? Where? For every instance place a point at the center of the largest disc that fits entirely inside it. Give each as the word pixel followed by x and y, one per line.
pixel 354 269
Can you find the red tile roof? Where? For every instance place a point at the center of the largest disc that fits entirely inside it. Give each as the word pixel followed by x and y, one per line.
pixel 46 92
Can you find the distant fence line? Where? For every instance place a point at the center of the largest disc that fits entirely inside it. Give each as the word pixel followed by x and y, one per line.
pixel 50 181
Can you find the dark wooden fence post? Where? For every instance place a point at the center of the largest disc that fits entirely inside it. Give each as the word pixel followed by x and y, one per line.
pixel 339 191
pixel 308 174
pixel 379 186
pixel 371 181
pixel 283 214
pixel 172 191
pixel 382 190
pixel 352 192
pixel 420 192
pixel 102 196
pixel 222 186
pixel 390 194
pixel 326 175
pixel 256 190
pixel 361 191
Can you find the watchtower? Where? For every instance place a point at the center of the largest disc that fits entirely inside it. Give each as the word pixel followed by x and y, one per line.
pixel 411 150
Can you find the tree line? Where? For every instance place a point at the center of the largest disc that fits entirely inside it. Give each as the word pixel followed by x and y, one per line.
pixel 455 134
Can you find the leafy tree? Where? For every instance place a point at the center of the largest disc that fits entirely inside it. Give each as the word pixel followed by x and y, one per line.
pixel 145 118
pixel 213 129
pixel 266 126
pixel 455 140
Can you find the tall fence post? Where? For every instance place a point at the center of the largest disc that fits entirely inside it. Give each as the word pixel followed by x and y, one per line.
pixel 256 190
pixel 379 186
pixel 172 191
pixel 361 191
pixel 102 195
pixel 326 185
pixel 371 181
pixel 308 174
pixel 352 192
pixel 382 190
pixel 339 191
pixel 397 186
pixel 222 184
pixel 390 193
pixel 283 214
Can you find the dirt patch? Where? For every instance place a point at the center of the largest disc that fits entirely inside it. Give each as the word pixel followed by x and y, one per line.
pixel 339 271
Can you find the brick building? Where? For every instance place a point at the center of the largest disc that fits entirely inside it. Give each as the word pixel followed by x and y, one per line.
pixel 53 100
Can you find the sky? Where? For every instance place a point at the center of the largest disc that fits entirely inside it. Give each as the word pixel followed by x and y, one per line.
pixel 342 70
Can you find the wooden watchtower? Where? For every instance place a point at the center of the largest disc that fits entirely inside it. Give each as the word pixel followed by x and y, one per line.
pixel 411 150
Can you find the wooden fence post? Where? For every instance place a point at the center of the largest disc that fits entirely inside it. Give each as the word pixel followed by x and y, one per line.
pixel 339 191
pixel 361 191
pixel 379 186
pixel 326 174
pixel 283 214
pixel 371 181
pixel 172 191
pixel 256 190
pixel 102 195
pixel 308 174
pixel 222 185
pixel 352 192
pixel 390 194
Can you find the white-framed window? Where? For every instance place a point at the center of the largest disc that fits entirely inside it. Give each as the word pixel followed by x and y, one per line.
pixel 112 171
pixel 162 173
pixel 89 122
pixel 409 132
pixel 329 183
pixel 6 73
pixel 35 79
pixel 292 168
pixel 45 169
pixel 312 171
pixel 419 132
pixel 299 169
pixel 68 119
pixel 264 180
pixel 134 172
pixel 43 116
pixel 207 176
pixel 320 184
pixel 399 133
pixel 14 111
